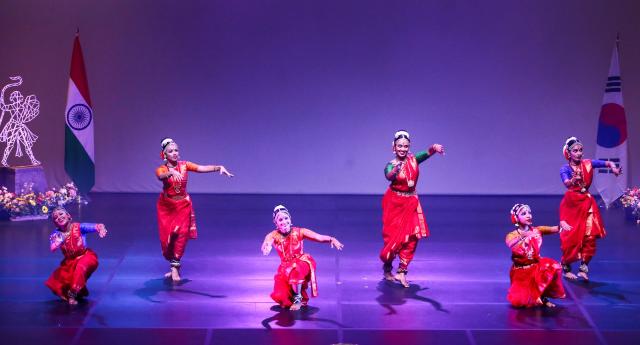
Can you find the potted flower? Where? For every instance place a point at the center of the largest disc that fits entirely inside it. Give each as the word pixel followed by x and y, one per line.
pixel 631 202
pixel 28 205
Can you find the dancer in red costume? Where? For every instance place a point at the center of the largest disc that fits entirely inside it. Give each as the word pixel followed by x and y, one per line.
pixel 297 270
pixel 403 222
pixel 534 279
pixel 69 281
pixel 176 219
pixel 579 209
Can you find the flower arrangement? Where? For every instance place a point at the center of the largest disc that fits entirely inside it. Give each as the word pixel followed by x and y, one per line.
pixel 31 205
pixel 631 200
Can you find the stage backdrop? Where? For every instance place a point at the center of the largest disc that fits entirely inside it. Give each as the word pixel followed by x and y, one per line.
pixel 304 97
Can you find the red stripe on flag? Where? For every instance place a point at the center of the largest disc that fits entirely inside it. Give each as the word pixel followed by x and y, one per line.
pixel 78 74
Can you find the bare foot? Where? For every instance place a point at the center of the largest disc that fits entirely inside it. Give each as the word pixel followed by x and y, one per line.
pixel 570 275
pixel 72 301
pixel 583 275
pixel 548 304
pixel 295 306
pixel 175 274
pixel 389 276
pixel 402 279
pixel 167 275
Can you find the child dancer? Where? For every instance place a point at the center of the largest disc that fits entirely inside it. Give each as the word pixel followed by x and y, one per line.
pixel 297 269
pixel 579 209
pixel 69 281
pixel 534 279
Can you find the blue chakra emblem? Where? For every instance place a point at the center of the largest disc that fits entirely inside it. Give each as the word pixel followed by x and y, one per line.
pixel 79 117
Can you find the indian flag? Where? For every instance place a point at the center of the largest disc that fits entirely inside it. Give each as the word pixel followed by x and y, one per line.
pixel 79 159
pixel 612 135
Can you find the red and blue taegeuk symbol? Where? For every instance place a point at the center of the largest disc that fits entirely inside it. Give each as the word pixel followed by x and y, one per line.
pixel 612 126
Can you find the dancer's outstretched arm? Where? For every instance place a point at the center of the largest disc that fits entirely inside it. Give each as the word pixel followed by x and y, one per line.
pixel 322 238
pixel 86 228
pixel 214 168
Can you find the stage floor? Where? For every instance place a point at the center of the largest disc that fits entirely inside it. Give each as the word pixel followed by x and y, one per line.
pixel 459 278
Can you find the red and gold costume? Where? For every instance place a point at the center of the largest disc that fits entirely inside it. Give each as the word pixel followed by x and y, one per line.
pixel 580 210
pixel 78 264
pixel 533 277
pixel 176 219
pixel 296 267
pixel 403 222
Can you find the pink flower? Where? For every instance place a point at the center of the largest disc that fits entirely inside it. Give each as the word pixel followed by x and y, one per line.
pixel 49 194
pixel 72 193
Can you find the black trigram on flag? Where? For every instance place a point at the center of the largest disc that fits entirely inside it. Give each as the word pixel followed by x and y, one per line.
pixel 607 170
pixel 614 84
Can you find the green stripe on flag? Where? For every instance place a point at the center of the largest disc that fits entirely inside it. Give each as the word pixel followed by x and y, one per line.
pixel 77 162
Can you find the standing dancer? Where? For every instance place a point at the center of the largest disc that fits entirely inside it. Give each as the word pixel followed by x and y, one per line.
pixel 176 219
pixel 69 281
pixel 403 222
pixel 297 270
pixel 579 209
pixel 534 279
